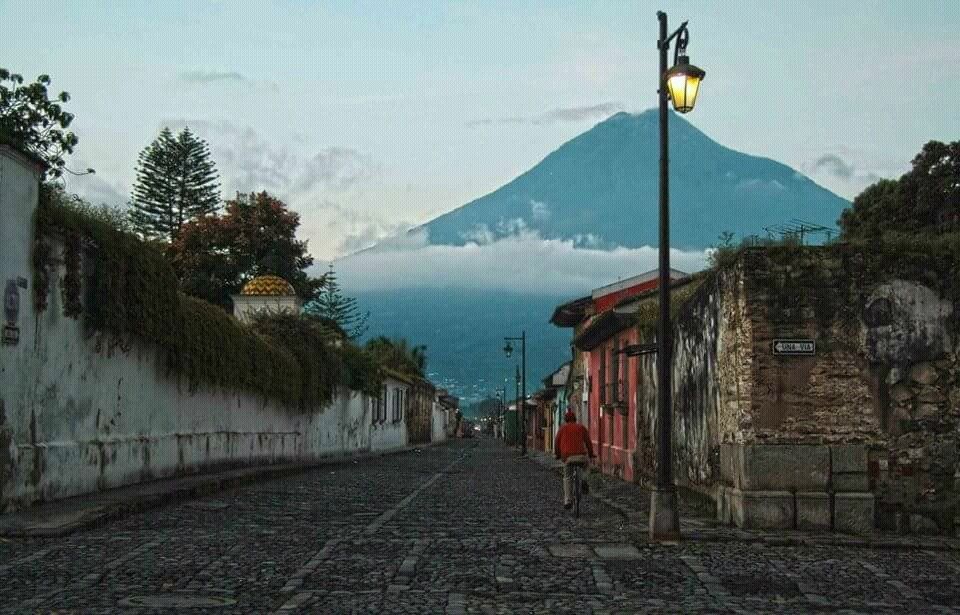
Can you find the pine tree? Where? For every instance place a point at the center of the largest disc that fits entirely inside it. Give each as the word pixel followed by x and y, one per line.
pixel 176 183
pixel 331 303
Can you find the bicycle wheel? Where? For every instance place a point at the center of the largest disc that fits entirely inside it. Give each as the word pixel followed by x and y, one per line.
pixel 576 491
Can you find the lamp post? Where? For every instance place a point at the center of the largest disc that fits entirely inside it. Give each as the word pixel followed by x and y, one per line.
pixel 681 83
pixel 522 402
pixel 501 394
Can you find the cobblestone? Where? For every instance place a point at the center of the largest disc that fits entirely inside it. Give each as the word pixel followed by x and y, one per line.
pixel 461 528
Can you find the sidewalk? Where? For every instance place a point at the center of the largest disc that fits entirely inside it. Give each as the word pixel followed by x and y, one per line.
pixel 632 501
pixel 61 517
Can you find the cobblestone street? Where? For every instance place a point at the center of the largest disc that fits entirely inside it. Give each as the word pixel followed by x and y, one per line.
pixel 460 528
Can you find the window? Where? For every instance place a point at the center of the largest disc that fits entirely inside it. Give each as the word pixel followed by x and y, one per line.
pixel 382 405
pixel 397 404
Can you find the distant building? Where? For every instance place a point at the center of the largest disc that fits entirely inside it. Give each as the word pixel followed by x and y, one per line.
pixel 265 293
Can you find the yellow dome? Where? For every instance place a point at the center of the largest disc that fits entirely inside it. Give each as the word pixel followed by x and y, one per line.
pixel 267 286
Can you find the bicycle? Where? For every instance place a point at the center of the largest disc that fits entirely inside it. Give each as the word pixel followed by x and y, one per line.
pixel 576 468
pixel 576 490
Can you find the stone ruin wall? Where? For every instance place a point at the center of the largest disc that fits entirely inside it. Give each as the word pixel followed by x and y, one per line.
pixel 873 416
pixel 888 379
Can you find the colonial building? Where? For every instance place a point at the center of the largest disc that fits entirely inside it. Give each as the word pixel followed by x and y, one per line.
pixel 602 378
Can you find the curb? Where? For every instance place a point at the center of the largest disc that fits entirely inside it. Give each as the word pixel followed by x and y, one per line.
pixel 91 515
pixel 737 535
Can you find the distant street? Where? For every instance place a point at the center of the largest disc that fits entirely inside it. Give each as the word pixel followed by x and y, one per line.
pixel 460 528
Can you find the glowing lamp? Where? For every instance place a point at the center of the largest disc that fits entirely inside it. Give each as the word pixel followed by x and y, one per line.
pixel 683 83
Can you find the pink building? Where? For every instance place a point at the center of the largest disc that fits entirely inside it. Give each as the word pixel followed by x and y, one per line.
pixel 605 340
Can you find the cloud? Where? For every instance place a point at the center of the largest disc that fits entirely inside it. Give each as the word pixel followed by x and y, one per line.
pixel 338 168
pixel 520 263
pixel 835 165
pixel 323 185
pixel 209 76
pixel 555 116
pixel 539 210
pixel 248 162
pixel 840 173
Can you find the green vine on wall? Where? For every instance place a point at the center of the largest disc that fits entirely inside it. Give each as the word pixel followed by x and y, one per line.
pixel 834 282
pixel 132 296
pixel 42 255
pixel 70 290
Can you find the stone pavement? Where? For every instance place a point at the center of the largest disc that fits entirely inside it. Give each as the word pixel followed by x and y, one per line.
pixel 460 528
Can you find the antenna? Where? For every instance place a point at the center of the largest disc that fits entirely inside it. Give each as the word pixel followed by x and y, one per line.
pixel 798 228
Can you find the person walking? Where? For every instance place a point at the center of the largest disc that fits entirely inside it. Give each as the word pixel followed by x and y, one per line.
pixel 572 446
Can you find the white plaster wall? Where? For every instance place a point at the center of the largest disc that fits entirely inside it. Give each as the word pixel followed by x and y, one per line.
pixel 438 431
pixel 74 420
pixel 388 434
pixel 245 307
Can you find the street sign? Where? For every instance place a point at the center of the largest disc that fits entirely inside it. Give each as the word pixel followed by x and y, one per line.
pixel 794 347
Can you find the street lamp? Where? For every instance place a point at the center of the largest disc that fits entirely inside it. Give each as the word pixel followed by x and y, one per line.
pixel 522 402
pixel 682 84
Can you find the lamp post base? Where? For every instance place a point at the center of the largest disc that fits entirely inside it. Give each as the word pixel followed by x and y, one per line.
pixel 664 515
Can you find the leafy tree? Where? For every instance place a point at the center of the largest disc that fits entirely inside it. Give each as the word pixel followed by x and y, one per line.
pixel 332 304
pixel 214 256
pixel 31 120
pixel 397 354
pixel 924 200
pixel 176 183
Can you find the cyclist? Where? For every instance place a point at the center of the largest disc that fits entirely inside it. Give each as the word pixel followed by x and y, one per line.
pixel 572 446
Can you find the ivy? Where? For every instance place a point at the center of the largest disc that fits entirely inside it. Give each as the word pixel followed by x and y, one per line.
pixel 131 296
pixel 835 281
pixel 647 316
pixel 71 279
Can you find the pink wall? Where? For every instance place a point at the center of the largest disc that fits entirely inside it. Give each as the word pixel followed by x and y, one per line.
pixel 612 432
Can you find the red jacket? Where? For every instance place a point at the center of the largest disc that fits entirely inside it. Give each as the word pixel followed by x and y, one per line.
pixel 572 439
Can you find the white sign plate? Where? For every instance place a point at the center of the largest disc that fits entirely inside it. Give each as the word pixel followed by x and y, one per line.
pixel 794 347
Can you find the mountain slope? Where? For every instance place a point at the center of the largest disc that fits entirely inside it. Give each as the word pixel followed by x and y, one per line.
pixel 600 189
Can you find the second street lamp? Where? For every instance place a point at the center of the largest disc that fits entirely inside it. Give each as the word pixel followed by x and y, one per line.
pixel 522 402
pixel 682 84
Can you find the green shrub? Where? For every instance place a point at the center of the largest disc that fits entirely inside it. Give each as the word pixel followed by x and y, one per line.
pixel 131 294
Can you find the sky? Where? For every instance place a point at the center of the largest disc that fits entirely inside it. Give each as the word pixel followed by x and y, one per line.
pixel 369 117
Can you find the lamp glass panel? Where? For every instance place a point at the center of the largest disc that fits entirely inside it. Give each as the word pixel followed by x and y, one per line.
pixel 677 87
pixel 693 87
pixel 683 91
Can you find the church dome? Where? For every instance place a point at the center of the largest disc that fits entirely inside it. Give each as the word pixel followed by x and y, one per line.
pixel 267 286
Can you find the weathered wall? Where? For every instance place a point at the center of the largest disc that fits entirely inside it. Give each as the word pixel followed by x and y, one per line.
pixel 885 374
pixel 75 418
pixel 438 426
pixel 707 359
pixel 863 433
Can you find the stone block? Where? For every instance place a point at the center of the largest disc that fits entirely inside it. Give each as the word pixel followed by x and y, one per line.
pixel 762 509
pixel 617 551
pixel 924 373
pixel 920 524
pixel 851 482
pixel 853 513
pixel 731 464
pixel 813 510
pixel 848 457
pixel 723 505
pixel 786 467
